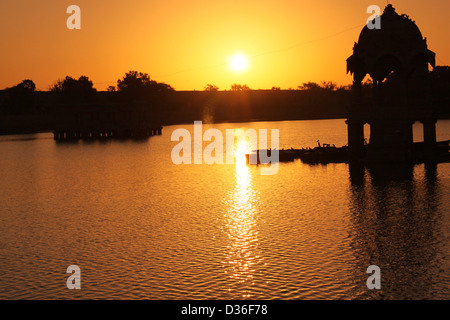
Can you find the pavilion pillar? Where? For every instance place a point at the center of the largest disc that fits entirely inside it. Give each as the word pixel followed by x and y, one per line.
pixel 429 137
pixel 355 130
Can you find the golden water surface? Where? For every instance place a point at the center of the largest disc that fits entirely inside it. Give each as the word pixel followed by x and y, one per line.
pixel 141 227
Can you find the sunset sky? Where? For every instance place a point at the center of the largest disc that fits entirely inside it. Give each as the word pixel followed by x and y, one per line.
pixel 189 44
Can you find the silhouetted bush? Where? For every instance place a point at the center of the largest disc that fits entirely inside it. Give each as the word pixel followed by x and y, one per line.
pixel 137 86
pixel 20 98
pixel 72 90
pixel 239 87
pixel 211 87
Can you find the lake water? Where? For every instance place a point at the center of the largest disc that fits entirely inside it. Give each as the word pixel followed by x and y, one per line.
pixel 141 227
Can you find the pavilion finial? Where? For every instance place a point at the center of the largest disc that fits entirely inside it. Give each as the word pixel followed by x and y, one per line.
pixel 389 8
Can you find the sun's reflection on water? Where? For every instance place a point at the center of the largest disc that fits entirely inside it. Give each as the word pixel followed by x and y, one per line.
pixel 241 226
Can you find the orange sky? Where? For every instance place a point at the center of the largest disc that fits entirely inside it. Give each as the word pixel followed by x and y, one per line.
pixel 188 44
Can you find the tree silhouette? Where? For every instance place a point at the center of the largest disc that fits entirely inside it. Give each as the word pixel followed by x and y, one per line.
pixel 133 82
pixel 27 86
pixel 239 87
pixel 21 97
pixel 161 87
pixel 56 86
pixel 329 85
pixel 137 86
pixel 211 87
pixel 314 86
pixel 75 90
pixel 309 86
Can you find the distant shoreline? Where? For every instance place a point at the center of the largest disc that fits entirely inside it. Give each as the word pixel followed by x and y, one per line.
pixel 45 111
pixel 37 129
pixel 50 130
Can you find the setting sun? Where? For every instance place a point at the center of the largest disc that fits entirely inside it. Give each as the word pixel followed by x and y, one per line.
pixel 238 62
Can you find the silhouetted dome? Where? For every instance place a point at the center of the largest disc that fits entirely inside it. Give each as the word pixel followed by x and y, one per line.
pixel 397 31
pixel 399 39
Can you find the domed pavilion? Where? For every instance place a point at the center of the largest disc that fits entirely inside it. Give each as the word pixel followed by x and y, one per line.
pixel 396 58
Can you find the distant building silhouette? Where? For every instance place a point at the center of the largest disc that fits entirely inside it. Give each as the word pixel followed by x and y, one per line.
pixel 396 57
